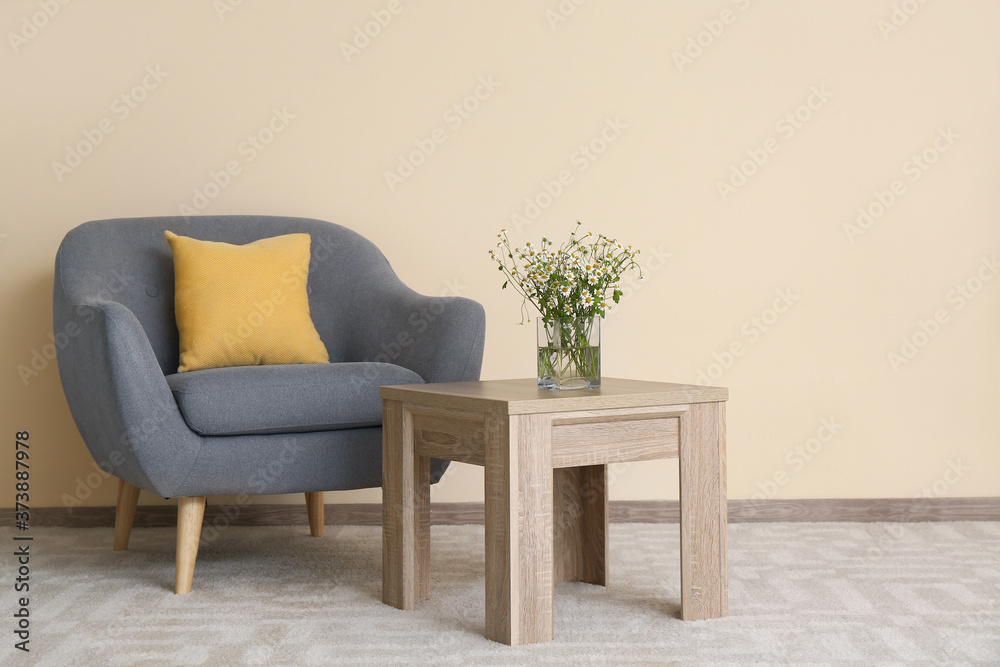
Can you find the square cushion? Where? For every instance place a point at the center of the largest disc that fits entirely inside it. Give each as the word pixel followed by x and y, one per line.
pixel 286 398
pixel 243 305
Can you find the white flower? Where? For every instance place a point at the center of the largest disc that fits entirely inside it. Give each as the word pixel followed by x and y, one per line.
pixel 575 274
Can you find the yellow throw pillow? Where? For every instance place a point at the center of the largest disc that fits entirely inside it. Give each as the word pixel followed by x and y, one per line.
pixel 244 305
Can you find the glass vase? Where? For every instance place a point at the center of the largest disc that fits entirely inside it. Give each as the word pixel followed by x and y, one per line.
pixel 569 353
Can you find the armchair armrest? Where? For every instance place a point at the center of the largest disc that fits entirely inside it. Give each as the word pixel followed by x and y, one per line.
pixel 439 338
pixel 118 395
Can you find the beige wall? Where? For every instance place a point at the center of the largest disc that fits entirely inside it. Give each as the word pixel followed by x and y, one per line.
pixel 718 259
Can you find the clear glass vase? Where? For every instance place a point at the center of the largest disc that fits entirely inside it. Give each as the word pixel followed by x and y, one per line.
pixel 569 353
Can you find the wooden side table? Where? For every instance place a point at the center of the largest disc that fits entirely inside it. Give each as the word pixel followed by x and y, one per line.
pixel 545 455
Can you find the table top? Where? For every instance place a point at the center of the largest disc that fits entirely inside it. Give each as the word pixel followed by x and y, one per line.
pixel 524 396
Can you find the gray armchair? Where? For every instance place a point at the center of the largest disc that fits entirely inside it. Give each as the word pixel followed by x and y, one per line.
pixel 303 428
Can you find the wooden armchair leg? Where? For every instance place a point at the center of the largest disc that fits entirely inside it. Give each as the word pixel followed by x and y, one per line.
pixel 314 505
pixel 190 512
pixel 128 499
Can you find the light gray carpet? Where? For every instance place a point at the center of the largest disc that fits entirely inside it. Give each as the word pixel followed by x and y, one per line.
pixel 799 594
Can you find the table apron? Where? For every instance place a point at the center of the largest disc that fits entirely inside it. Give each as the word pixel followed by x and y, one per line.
pixel 454 435
pixel 580 438
pixel 598 437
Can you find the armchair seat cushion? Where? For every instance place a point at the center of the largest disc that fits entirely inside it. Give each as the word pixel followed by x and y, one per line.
pixel 248 400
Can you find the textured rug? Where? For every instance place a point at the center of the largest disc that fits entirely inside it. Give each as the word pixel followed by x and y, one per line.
pixel 799 594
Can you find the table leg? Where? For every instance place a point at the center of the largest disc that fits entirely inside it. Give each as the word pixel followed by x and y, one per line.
pixel 422 524
pixel 405 512
pixel 704 576
pixel 580 524
pixel 518 487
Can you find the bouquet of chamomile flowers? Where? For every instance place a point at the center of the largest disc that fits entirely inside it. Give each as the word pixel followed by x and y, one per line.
pixel 577 280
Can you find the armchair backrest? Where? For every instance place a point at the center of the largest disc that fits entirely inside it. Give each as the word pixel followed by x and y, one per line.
pixel 128 260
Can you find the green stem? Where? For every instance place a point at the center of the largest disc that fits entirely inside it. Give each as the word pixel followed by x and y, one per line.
pixel 568 353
